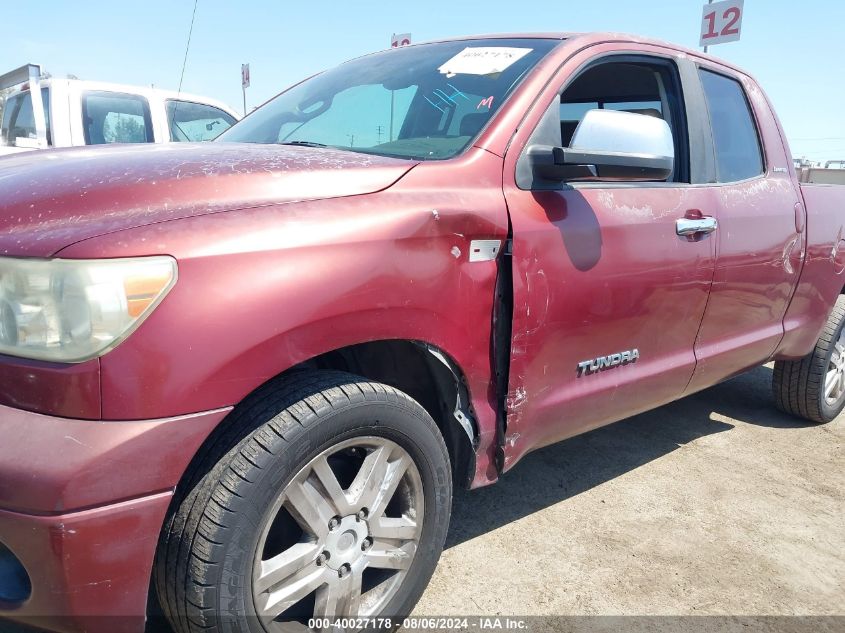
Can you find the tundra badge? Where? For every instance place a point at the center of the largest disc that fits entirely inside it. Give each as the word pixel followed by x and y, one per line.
pixel 606 362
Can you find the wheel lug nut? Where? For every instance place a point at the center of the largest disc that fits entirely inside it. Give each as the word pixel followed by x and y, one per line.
pixel 334 523
pixel 344 570
pixel 366 544
pixel 362 514
pixel 322 558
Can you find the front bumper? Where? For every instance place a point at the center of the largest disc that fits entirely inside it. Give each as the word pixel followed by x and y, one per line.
pixel 81 507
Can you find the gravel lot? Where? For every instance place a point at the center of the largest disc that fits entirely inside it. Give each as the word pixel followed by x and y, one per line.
pixel 717 504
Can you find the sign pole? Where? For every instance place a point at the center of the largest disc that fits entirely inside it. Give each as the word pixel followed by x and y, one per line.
pixel 244 82
pixel 705 46
pixel 396 41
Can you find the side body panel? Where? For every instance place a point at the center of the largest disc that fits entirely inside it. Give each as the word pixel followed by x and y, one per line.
pixel 263 289
pixel 823 276
pixel 160 130
pixel 77 134
pixel 60 115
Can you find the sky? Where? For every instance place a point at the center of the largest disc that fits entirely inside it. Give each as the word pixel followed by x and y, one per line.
pixel 794 49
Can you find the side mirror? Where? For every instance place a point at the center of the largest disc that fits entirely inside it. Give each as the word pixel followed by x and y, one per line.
pixel 609 145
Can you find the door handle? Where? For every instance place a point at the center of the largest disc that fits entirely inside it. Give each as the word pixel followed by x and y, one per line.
pixel 687 227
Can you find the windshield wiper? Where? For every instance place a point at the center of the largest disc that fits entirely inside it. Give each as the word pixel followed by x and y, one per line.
pixel 304 143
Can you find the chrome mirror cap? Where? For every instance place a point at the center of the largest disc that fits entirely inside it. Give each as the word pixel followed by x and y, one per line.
pixel 616 132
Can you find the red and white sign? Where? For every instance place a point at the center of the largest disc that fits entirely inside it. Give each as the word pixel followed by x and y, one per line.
pixel 400 39
pixel 245 75
pixel 721 22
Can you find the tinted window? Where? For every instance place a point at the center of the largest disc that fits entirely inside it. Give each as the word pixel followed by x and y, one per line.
pixel 112 117
pixel 19 120
pixel 196 121
pixel 426 101
pixel 737 144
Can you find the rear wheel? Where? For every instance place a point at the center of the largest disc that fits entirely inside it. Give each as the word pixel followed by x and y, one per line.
pixel 335 503
pixel 814 387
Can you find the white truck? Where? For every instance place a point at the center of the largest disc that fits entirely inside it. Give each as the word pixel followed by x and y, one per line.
pixel 41 113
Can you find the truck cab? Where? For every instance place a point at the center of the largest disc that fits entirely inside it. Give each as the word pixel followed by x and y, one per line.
pixel 53 112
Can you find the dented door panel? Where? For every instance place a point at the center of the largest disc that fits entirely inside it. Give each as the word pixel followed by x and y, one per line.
pixel 600 273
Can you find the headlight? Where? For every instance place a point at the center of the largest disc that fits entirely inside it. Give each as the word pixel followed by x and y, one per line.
pixel 68 310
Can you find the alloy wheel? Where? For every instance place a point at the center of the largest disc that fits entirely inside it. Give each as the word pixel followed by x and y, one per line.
pixel 834 382
pixel 341 536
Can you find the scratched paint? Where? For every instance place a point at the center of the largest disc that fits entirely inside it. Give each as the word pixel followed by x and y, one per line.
pixel 53 198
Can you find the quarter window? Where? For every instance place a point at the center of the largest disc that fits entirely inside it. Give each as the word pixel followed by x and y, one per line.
pixel 196 121
pixel 113 117
pixel 737 144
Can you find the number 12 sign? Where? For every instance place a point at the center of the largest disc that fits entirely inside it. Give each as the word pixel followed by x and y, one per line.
pixel 721 22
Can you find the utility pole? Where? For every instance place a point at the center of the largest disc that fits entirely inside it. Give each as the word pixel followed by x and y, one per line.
pixel 351 140
pixel 379 129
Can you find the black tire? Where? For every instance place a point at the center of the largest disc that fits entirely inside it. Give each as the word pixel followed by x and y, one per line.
pixel 203 568
pixel 799 385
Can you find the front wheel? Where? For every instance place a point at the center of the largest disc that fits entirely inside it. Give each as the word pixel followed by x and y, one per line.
pixel 814 387
pixel 334 505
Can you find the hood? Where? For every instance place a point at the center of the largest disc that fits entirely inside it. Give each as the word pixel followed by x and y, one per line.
pixel 6 150
pixel 52 198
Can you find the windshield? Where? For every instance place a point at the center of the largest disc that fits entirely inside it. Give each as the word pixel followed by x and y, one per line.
pixel 421 102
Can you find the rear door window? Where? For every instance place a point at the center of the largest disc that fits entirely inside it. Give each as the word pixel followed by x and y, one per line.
pixel 18 124
pixel 737 144
pixel 192 122
pixel 114 117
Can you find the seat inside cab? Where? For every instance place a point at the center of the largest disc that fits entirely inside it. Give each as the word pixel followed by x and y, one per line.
pixel 636 88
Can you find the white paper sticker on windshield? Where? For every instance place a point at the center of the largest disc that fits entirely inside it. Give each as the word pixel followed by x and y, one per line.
pixel 483 60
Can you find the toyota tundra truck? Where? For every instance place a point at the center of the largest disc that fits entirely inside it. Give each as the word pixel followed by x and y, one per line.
pixel 240 378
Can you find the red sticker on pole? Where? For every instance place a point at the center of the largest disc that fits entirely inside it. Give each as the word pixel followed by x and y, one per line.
pixel 721 22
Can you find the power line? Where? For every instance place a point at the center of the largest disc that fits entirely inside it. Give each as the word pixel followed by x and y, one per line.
pixel 187 46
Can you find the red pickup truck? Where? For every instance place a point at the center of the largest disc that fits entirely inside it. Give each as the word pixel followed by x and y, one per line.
pixel 239 379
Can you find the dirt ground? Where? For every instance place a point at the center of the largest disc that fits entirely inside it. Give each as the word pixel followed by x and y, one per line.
pixel 717 504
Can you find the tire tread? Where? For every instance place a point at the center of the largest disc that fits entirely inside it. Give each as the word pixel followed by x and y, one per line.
pixel 798 385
